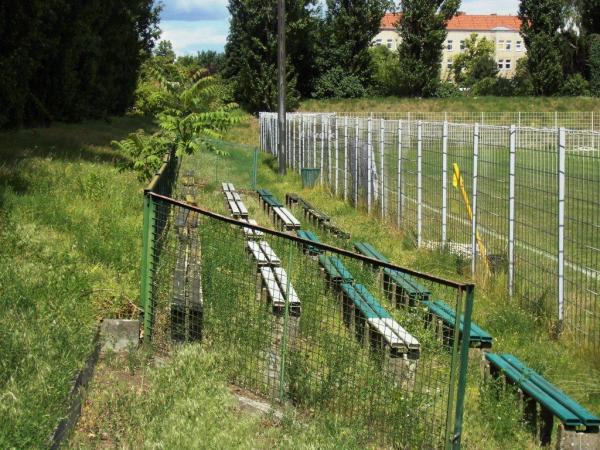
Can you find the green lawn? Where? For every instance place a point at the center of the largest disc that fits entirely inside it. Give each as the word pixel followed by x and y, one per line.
pixel 69 255
pixel 461 104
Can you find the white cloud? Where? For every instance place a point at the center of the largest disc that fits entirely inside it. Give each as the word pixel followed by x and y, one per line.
pixel 490 6
pixel 195 10
pixel 190 36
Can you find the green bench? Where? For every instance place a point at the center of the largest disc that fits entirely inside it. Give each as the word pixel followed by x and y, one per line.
pixel 369 320
pixel 268 199
pixel 478 338
pixel 309 235
pixel 335 269
pixel 401 287
pixel 537 390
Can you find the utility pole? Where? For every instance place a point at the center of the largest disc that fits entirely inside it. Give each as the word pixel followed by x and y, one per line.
pixel 281 151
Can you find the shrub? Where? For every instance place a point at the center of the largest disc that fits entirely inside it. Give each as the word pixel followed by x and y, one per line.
pixel 447 89
pixel 337 83
pixel 522 84
pixel 575 86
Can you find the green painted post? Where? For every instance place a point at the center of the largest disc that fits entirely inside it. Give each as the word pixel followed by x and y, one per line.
pixel 286 315
pixel 148 264
pixel 464 365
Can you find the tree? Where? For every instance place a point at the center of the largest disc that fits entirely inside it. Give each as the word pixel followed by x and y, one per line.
pixel 210 60
pixel 594 64
pixel 251 51
pixel 589 14
pixel 345 37
pixel 68 60
pixel 422 30
pixel 164 50
pixel 540 23
pixel 476 62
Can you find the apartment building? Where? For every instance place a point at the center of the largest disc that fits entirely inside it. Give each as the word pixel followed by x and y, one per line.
pixel 502 30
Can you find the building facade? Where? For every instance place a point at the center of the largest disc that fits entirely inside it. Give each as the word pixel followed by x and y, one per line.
pixel 503 31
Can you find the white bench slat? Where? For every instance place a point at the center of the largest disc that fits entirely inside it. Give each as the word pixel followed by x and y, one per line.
pixel 394 334
pixel 258 254
pixel 282 278
pixel 231 187
pixel 250 231
pixel 234 208
pixel 275 293
pixel 269 253
pixel 284 218
pixel 242 208
pixel 236 196
pixel 225 187
pixel 289 214
pixel 229 196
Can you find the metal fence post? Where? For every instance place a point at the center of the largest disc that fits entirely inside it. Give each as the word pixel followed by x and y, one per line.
pixel 444 181
pixel 337 155
pixel 511 209
pixel 254 168
pixel 346 158
pixel 463 369
pixel 419 183
pixel 399 176
pixel 329 150
pixel 382 156
pixel 369 162
pixel 561 224
pixel 322 166
pixel 474 201
pixel 148 265
pixel 314 139
pixel 356 150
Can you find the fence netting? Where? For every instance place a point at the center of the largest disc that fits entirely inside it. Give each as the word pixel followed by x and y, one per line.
pixel 323 328
pixel 515 201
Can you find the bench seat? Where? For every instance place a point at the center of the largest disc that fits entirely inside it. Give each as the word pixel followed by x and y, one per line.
pixel 263 254
pixel 275 280
pixel 551 399
pixel 249 232
pixel 335 269
pixel 408 291
pixel 286 218
pixel 370 311
pixel 368 250
pixel 312 250
pixel 478 338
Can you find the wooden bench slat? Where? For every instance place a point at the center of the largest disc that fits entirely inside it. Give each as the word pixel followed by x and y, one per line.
pixel 282 279
pixel 257 252
pixel 225 187
pixel 269 253
pixel 275 294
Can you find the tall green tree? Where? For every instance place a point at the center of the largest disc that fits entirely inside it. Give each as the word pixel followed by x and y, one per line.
pixel 71 59
pixel 345 37
pixel 422 29
pixel 251 51
pixel 540 26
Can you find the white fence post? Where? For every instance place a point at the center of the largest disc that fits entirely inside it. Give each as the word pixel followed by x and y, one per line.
pixel 511 209
pixel 444 181
pixel 356 142
pixel 314 139
pixel 322 165
pixel 474 201
pixel 419 183
pixel 369 173
pixel 399 176
pixel 561 224
pixel 346 158
pixel 337 155
pixel 382 156
pixel 301 162
pixel 328 151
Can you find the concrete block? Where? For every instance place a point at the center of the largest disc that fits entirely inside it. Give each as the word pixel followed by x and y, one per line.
pixel 119 334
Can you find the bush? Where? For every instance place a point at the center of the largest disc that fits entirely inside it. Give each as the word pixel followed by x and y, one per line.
pixel 575 86
pixel 447 90
pixel 336 83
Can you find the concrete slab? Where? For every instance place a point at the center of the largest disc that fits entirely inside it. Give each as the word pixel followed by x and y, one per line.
pixel 119 334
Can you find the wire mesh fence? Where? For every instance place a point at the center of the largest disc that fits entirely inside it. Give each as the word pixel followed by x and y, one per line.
pixel 329 330
pixel 516 200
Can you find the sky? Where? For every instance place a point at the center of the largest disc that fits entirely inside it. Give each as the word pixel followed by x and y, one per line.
pixel 195 25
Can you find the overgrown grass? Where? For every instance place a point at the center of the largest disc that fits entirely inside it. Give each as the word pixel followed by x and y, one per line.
pixel 69 255
pixel 491 421
pixel 462 104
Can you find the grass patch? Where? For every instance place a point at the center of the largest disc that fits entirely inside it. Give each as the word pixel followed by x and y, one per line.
pixel 69 255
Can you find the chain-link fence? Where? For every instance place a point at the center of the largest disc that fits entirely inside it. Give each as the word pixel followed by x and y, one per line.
pixel 518 200
pixel 329 330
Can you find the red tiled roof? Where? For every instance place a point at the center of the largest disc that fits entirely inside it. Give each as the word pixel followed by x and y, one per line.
pixel 465 22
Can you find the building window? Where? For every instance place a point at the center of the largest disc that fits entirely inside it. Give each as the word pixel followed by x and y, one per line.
pixel 508 45
pixel 377 41
pixel 449 64
pixel 519 46
pixel 501 44
pixel 501 64
pixel 507 64
pixel 389 43
pixel 462 46
pixel 449 46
